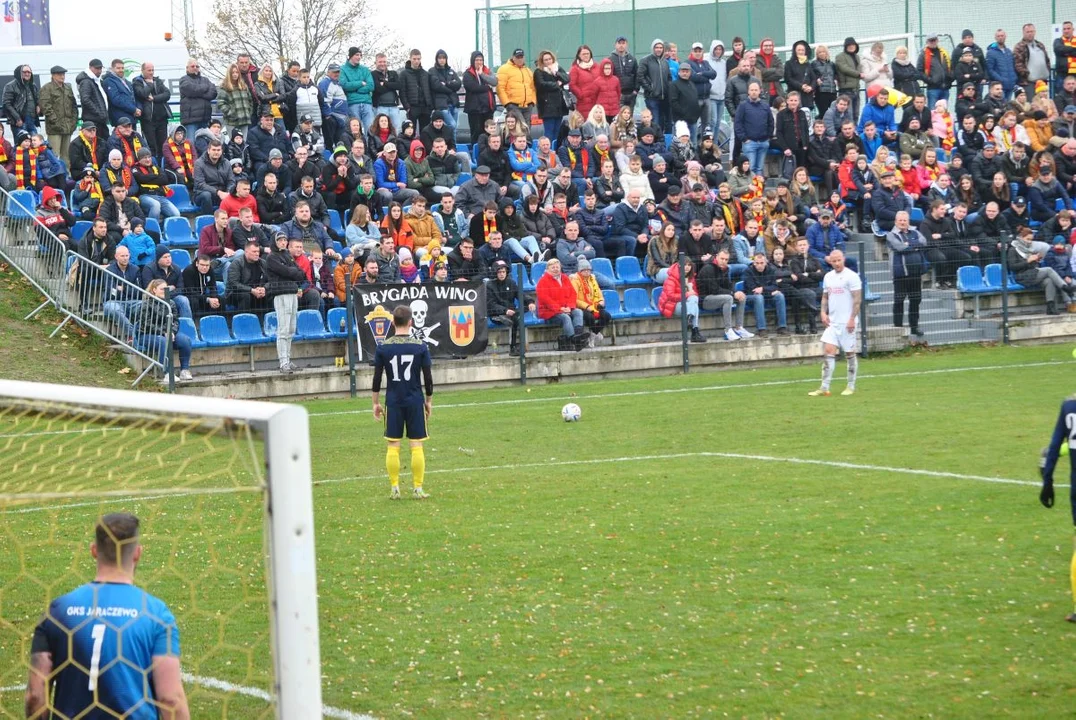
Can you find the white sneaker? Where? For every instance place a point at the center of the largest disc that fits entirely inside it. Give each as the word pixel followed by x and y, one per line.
pixel 185 375
pixel 848 391
pixel 744 333
pixel 731 335
pixel 395 494
pixel 420 494
pixel 597 338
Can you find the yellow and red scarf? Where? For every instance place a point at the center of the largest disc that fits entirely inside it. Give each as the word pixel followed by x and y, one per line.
pixel 949 140
pixel 521 157
pixel 184 156
pixel 488 226
pixel 25 159
pixel 92 187
pixel 757 190
pixel 92 145
pixel 1072 59
pixel 131 146
pixel 3 152
pixel 585 159
pixel 122 176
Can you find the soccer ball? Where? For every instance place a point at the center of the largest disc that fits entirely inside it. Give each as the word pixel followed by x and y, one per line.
pixel 571 412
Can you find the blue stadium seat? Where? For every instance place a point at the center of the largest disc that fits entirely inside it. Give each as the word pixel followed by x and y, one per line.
pixel 992 277
pixel 221 288
pixel 868 296
pixel 629 272
pixel 942 155
pixel 612 304
pixel 1059 205
pixel 181 198
pixel 916 216
pixel 537 271
pixel 463 177
pixel 269 325
pixel 655 295
pixel 180 259
pixel 637 303
pixel 80 229
pixel 200 222
pixel 1014 188
pixel 335 222
pixel 177 233
pixel 27 199
pixel 153 226
pixel 247 329
pixel 529 319
pixel 1013 285
pixel 310 326
pixel 187 327
pixel 970 280
pixel 337 321
pixel 602 266
pixel 214 330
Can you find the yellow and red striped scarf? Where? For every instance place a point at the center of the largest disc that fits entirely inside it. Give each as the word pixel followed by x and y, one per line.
pixel 759 187
pixel 520 157
pixel 184 155
pixel 92 145
pixel 24 157
pixel 122 176
pixel 949 140
pixel 92 187
pixel 3 152
pixel 131 146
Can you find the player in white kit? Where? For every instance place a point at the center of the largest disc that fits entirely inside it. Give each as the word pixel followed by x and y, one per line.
pixel 842 293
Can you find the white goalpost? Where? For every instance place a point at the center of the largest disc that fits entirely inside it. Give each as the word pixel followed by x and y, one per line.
pixel 197 467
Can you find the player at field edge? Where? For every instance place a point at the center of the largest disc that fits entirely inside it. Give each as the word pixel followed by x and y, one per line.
pixel 105 638
pixel 1062 442
pixel 842 293
pixel 401 357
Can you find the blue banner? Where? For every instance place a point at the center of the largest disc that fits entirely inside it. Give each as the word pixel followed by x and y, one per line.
pixel 34 22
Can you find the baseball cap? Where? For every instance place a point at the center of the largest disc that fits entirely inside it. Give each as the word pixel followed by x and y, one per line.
pixel 696 45
pixel 621 38
pixel 124 121
pixel 826 213
pixel 306 119
pixel 333 67
pixel 1070 109
pixel 389 147
pixel 96 63
pixel 575 132
pixel 518 52
pixel 1018 200
pixel 932 36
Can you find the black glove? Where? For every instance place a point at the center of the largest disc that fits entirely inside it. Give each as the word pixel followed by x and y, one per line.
pixel 1046 496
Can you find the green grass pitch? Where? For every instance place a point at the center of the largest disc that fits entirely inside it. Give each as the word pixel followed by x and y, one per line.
pixel 670 555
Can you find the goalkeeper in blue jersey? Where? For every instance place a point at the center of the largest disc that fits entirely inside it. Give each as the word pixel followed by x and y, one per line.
pixel 107 649
pixel 1061 443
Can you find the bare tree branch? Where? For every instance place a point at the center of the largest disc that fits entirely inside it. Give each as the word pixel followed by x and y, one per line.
pixel 311 32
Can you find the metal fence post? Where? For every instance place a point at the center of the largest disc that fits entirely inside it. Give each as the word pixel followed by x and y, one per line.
pixel 521 338
pixel 810 21
pixel 352 335
pixel 683 310
pixel 169 360
pixel 861 251
pixel 1005 240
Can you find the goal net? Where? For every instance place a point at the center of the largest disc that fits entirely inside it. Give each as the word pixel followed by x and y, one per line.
pixel 222 492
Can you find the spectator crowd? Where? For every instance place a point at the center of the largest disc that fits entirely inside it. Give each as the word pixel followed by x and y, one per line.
pixel 358 172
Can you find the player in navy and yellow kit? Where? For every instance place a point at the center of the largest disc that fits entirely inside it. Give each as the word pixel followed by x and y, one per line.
pixel 107 649
pixel 1062 443
pixel 403 358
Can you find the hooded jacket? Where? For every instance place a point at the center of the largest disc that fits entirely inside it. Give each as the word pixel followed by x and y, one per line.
pixel 581 81
pixel 717 84
pixel 848 67
pixel 479 88
pixel 798 74
pixel 445 84
pixel 20 98
pixel 91 96
pixel 607 88
pixel 653 74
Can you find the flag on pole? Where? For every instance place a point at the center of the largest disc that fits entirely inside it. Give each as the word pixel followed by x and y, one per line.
pixel 9 23
pixel 34 22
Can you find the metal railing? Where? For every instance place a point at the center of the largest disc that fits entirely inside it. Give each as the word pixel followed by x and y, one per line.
pixel 72 275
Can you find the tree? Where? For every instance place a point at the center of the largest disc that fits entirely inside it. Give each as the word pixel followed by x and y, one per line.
pixel 312 32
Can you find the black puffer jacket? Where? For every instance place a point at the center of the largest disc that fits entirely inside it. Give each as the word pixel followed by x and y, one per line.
pixel 284 275
pixel 415 89
pixel 445 85
pixel 92 99
pixel 196 95
pixel 548 88
pixel 20 98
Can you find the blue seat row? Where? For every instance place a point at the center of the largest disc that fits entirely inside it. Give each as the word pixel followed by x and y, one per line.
pixel 972 282
pixel 248 329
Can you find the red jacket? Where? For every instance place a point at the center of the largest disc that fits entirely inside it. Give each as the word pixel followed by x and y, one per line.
pixel 553 295
pixel 581 83
pixel 232 204
pixel 607 89
pixel 670 291
pixel 212 244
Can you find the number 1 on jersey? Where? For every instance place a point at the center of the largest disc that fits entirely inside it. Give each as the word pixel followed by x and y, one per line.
pixel 407 361
pixel 98 635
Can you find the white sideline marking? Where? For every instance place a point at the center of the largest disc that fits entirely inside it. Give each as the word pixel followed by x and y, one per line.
pixel 632 393
pixel 257 693
pixel 706 388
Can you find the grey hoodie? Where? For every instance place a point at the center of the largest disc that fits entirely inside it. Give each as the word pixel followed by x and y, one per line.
pixel 717 85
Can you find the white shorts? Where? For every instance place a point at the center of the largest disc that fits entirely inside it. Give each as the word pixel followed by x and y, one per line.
pixel 839 336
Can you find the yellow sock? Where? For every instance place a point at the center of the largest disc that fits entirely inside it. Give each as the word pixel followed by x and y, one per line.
pixel 1072 572
pixel 392 464
pixel 418 466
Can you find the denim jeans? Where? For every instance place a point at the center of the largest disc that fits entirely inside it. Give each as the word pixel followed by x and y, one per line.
pixel 205 201
pixel 605 282
pixel 183 305
pixel 523 247
pixel 692 304
pixel 155 206
pixel 620 246
pixel 364 112
pixel 192 129
pixel 717 111
pixel 120 312
pixel 758 308
pixel 934 96
pixel 657 109
pixel 755 150
pixel 569 324
pixel 551 127
pixel 394 116
pixel 452 120
pixel 157 346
